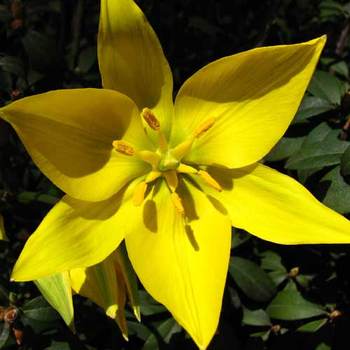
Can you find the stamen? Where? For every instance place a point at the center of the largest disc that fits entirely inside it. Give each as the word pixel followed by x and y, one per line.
pixel 149 157
pixel 154 124
pixel 182 149
pixel 171 179
pixel 209 180
pixel 177 202
pixel 139 193
pixel 123 147
pixel 150 119
pixel 204 127
pixel 186 169
pixel 153 175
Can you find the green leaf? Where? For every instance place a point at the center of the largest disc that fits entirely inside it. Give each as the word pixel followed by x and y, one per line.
pixel 59 345
pixel 165 330
pixel 321 148
pixel 338 192
pixel 289 305
pixel 12 65
pixel 312 106
pixel 139 330
pixel 38 309
pixel 341 68
pixel 256 318
pixel 313 326
pixel 57 291
pixel 252 279
pixel 323 346
pixel 271 261
pixel 41 51
pixel 285 148
pixel 87 58
pixel 28 197
pixel 3 236
pixel 345 162
pixel 327 87
pixel 238 238
pixel 4 334
pixel 149 306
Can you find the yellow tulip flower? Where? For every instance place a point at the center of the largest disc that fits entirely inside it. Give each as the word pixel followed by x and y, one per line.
pixel 169 178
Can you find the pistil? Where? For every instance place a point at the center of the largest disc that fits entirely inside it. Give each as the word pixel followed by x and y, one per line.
pixel 166 162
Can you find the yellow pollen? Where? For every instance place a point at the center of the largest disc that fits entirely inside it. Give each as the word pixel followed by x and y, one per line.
pixel 150 119
pixel 171 179
pixel 204 127
pixel 139 193
pixel 123 147
pixel 177 202
pixel 209 180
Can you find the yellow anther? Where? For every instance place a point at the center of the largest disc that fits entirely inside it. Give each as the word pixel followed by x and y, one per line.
pixel 204 127
pixel 149 157
pixel 171 179
pixel 123 147
pixel 186 169
pixel 209 180
pixel 150 119
pixel 177 202
pixel 139 193
pixel 153 175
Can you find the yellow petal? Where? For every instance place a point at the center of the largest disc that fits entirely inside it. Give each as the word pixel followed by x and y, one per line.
pixel 253 97
pixel 181 262
pixel 131 59
pixel 102 284
pixel 57 290
pixel 69 135
pixel 126 272
pixel 99 284
pixel 277 208
pixel 3 236
pixel 74 234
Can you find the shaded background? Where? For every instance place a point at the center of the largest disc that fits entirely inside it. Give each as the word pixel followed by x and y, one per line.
pixel 276 296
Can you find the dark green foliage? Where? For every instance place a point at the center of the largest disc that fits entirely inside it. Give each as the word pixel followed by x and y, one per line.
pixel 276 297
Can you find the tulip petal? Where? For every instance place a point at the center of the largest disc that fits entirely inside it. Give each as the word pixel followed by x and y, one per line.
pixel 69 135
pixel 74 234
pixel 275 207
pixel 131 59
pixel 182 262
pixel 99 284
pixel 103 285
pixel 57 290
pixel 253 97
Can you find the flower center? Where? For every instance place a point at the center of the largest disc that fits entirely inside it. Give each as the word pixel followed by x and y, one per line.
pixel 166 162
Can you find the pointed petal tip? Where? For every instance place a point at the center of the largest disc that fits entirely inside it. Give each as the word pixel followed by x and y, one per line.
pixel 137 313
pixel 112 311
